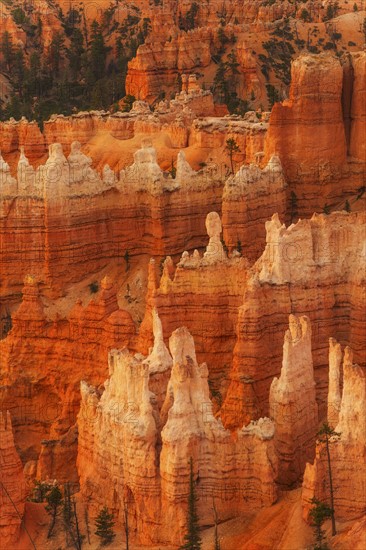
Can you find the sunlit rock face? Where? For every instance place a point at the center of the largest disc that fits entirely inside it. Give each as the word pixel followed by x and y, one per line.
pixel 347 451
pixel 12 485
pixel 292 402
pixel 312 268
pixel 145 452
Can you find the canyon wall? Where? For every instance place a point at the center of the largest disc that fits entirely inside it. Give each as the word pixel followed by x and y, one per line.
pixel 202 292
pixel 42 363
pixel 237 315
pixel 308 132
pixel 313 268
pixel 64 220
pixel 246 203
pixel 12 485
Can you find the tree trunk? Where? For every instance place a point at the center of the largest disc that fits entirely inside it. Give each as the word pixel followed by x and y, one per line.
pixel 126 527
pixel 53 521
pixel 334 532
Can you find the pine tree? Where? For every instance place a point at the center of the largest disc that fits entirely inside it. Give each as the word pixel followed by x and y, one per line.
pixel 216 532
pixel 127 259
pixel 55 53
pixel 104 524
pixel 319 513
pixel 71 522
pixel 7 49
pixel 293 206
pixel 324 435
pixel 98 51
pixel 54 501
pixel 192 537
pixel 232 147
pixel 75 53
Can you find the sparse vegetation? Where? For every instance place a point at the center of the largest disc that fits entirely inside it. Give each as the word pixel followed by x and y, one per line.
pixel 94 287
pixel 79 70
pixel 192 537
pixel 293 206
pixel 104 526
pixel 232 147
pixel 189 20
pixel 318 514
pixel 54 502
pixel 126 258
pixel 273 95
pixel 327 434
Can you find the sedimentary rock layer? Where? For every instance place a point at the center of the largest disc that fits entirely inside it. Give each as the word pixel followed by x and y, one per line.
pixel 292 403
pixel 347 452
pixel 315 267
pixel 12 485
pixel 130 455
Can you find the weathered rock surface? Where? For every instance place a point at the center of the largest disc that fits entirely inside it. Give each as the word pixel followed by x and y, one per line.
pixel 203 293
pixel 358 109
pixel 309 131
pixel 313 267
pixel 246 205
pixel 347 452
pixel 64 220
pixel 12 485
pixel 44 401
pixel 292 403
pixel 130 455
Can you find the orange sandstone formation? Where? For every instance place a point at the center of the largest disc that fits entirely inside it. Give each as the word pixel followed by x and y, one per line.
pixel 203 293
pixel 247 205
pixel 12 485
pixel 292 402
pixel 65 220
pixel 44 401
pixel 313 267
pixel 334 389
pixel 309 131
pixel 131 455
pixel 348 452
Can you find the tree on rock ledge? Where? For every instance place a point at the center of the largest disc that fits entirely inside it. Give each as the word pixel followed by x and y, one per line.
pixel 104 524
pixel 232 147
pixel 192 537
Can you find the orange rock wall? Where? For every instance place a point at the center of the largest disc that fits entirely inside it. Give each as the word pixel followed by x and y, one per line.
pixel 12 485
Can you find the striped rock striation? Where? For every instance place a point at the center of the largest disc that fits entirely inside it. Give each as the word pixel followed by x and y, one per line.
pixel 347 452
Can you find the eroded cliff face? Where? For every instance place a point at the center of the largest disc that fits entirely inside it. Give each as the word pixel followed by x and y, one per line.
pixel 309 131
pixel 307 269
pixel 240 343
pixel 245 201
pixel 71 213
pixel 131 454
pixel 347 451
pixel 292 402
pixel 203 293
pixel 64 220
pixel 12 485
pixel 45 401
pixel 231 273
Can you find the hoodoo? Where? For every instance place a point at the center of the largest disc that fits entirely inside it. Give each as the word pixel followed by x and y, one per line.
pixel 182 274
